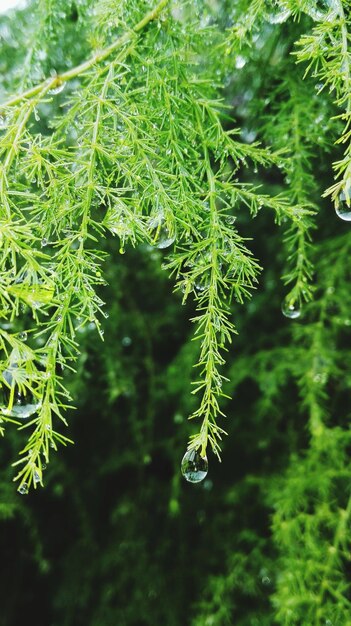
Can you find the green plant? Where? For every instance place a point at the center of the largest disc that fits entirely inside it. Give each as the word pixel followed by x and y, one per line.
pixel 138 149
pixel 138 136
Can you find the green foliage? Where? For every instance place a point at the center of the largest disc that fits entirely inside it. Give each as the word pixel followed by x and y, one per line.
pixel 148 147
pixel 138 149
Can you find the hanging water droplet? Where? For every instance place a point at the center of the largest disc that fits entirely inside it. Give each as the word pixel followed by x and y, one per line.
pixel 164 238
pixel 60 85
pixel 194 466
pixel 36 477
pixel 248 136
pixel 276 12
pixel 266 581
pixel 44 242
pixel 202 283
pixel 126 342
pixel 343 205
pixel 240 62
pixel 202 279
pixel 291 309
pixel 24 405
pixel 160 233
pixel 322 10
pixel 23 489
pixel 23 336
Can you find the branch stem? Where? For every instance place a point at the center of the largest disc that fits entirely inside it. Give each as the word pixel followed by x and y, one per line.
pixel 86 65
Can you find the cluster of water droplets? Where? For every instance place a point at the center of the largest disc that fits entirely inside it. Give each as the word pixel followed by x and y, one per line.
pixel 194 466
pixel 23 489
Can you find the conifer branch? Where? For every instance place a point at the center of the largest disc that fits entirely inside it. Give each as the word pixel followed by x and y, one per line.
pixel 82 68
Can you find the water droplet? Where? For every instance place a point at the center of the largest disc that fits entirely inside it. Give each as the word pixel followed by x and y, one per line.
pixel 57 89
pixel 247 135
pixel 24 405
pixel 23 489
pixel 36 477
pixel 202 283
pixel 322 10
pixel 230 219
pixel 240 62
pixel 164 239
pixel 3 120
pixel 266 581
pixel 291 309
pixel 44 242
pixel 276 12
pixel 194 467
pixel 343 205
pixel 160 233
pixel 23 336
pixel 122 250
pixel 126 341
